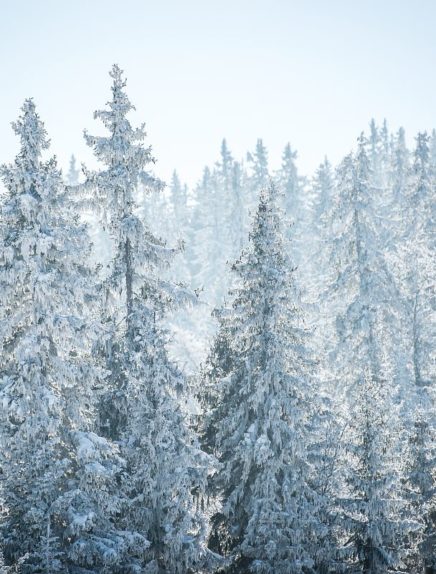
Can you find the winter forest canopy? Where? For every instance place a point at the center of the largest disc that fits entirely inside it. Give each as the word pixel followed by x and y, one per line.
pixel 234 378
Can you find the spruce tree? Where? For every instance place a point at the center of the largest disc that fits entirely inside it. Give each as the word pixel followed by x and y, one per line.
pixel 126 160
pixel 416 253
pixel 259 393
pixel 166 471
pixel 208 264
pixel 58 475
pixel 258 177
pixel 73 174
pixel 290 183
pixel 375 512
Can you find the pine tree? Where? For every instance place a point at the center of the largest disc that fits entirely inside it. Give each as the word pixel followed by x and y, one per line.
pixel 238 213
pixel 289 182
pixel 3 568
pixel 259 165
pixel 211 232
pixel 259 176
pixel 178 216
pixel 418 279
pixel 167 471
pixel 233 221
pixel 366 307
pixel 49 382
pixel 127 162
pixel 225 166
pixel 401 166
pixel 422 453
pixel 320 225
pixel 419 247
pixel 73 173
pixel 165 468
pixel 259 393
pixel 179 200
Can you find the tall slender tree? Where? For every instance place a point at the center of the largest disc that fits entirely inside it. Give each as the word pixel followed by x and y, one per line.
pixel 260 392
pixel 290 183
pixel 73 174
pixel 375 510
pixel 165 468
pixel 259 172
pixel 418 280
pixel 127 163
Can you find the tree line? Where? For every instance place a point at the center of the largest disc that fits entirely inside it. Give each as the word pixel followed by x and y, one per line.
pixel 302 444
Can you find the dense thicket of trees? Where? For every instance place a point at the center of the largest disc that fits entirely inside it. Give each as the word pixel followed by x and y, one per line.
pixel 256 395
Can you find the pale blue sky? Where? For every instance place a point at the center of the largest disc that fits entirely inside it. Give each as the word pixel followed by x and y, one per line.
pixel 312 72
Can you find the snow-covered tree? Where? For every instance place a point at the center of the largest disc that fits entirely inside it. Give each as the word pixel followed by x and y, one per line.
pixel 73 174
pixel 165 469
pixel 259 392
pixel 239 213
pixel 259 165
pixel 179 200
pixel 232 223
pixel 208 259
pixel 235 203
pixel 401 160
pixel 225 165
pixel 258 178
pixel 367 309
pixel 127 163
pixel 419 253
pixel 217 206
pixel 421 482
pixel 59 504
pixel 3 568
pixel 418 279
pixel 290 184
pixel 322 191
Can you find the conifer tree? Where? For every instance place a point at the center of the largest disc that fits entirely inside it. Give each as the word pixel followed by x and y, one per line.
pixel 127 163
pixel 259 176
pixel 322 203
pixel 225 165
pixel 401 166
pixel 238 215
pixel 259 165
pixel 418 279
pixel 211 235
pixel 206 254
pixel 73 173
pixel 179 200
pixel 421 481
pixel 59 499
pixel 419 246
pixel 259 392
pixel 289 182
pixel 375 510
pixel 165 467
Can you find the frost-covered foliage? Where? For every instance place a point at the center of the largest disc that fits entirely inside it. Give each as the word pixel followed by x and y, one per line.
pixel 259 169
pixel 126 161
pixel 325 443
pixel 73 174
pixel 261 397
pixel 165 475
pixel 368 310
pixel 415 259
pixel 58 500
pixel 292 186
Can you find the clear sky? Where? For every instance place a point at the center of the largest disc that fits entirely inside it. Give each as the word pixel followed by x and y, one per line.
pixel 311 72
